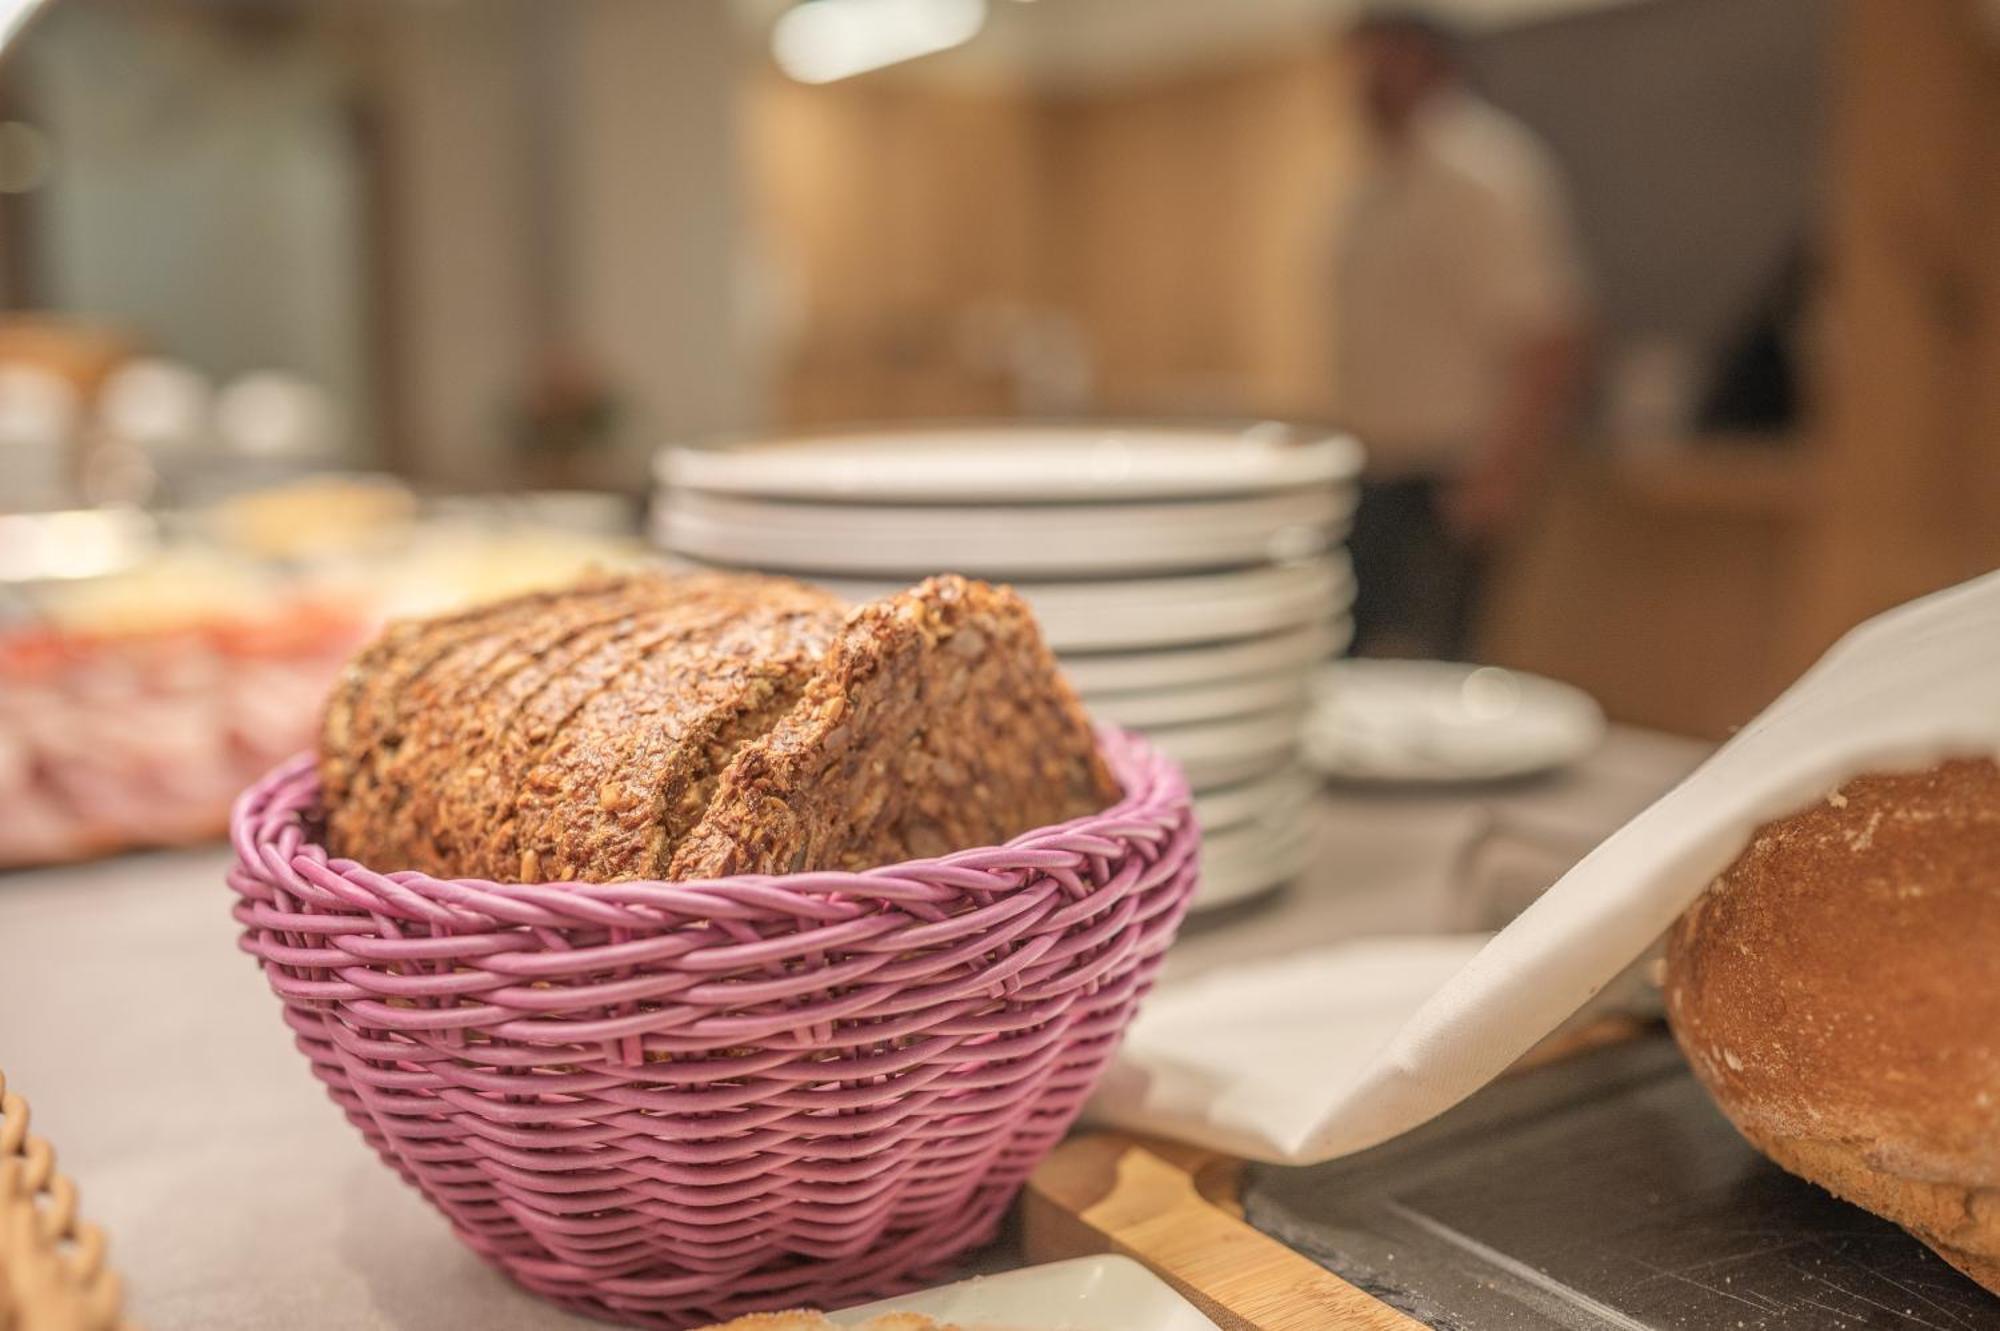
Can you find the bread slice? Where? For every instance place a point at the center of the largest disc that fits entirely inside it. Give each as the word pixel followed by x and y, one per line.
pixel 471 691
pixel 1837 990
pixel 362 726
pixel 525 780
pixel 597 804
pixel 352 716
pixel 691 727
pixel 938 722
pixel 473 832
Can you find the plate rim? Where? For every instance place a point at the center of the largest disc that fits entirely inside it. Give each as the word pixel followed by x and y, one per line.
pixel 715 466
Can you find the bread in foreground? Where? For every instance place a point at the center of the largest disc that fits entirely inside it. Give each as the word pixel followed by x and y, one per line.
pixel 1837 990
pixel 660 726
pixel 810 1319
pixel 937 722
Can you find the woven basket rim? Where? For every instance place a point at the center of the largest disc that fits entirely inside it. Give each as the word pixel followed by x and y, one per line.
pixel 273 820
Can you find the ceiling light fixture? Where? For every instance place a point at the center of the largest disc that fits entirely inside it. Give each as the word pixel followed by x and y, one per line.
pixel 819 41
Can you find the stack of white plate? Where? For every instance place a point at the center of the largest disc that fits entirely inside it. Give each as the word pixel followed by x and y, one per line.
pixel 1190 580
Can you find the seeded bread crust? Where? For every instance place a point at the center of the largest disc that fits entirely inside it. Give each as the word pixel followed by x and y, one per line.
pixel 456 707
pixel 939 721
pixel 1837 990
pixel 651 726
pixel 474 830
pixel 362 727
pixel 350 720
pixel 460 808
pixel 595 806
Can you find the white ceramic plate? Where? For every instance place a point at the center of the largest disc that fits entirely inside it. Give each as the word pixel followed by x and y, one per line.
pixel 1269 801
pixel 1200 702
pixel 1437 721
pixel 1245 861
pixel 1223 753
pixel 1083 1294
pixel 1145 613
pixel 1042 540
pixel 1016 464
pixel 1098 673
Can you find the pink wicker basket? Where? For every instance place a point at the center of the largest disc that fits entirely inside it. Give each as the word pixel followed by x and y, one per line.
pixel 669 1103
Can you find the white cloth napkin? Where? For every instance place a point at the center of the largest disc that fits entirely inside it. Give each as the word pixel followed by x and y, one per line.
pixel 1333 1052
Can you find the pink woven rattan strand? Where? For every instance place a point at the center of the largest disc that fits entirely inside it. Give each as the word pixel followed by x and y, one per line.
pixel 670 1103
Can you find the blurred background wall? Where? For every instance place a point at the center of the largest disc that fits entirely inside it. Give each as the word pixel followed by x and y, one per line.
pixel 518 243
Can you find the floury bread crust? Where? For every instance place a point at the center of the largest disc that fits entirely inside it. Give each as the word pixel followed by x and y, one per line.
pixel 654 726
pixel 939 721
pixel 1838 992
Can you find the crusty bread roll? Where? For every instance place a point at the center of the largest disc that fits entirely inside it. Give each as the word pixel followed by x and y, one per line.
pixel 809 1319
pixel 1838 992
pixel 656 726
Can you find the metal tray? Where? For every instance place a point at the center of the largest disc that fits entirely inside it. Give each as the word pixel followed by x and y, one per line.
pixel 1604 1192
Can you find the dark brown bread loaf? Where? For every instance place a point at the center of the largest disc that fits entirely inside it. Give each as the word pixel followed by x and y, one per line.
pixel 1838 992
pixel 653 726
pixel 939 721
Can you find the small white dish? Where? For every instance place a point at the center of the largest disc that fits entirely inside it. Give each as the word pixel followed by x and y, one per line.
pixel 1098 673
pixel 1083 1294
pixel 1031 464
pixel 1438 721
pixel 1003 540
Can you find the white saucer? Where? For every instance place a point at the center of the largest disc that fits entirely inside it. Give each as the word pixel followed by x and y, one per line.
pixel 1223 753
pixel 1033 464
pixel 1096 673
pixel 1003 541
pixel 1438 721
pixel 1083 1294
pixel 1201 702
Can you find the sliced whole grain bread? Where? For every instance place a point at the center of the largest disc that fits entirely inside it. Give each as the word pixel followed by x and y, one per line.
pixel 655 726
pixel 938 722
pixel 456 705
pixel 597 805
pixel 362 725
pixel 573 727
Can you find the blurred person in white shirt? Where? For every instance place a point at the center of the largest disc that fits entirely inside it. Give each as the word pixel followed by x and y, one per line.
pixel 1460 315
